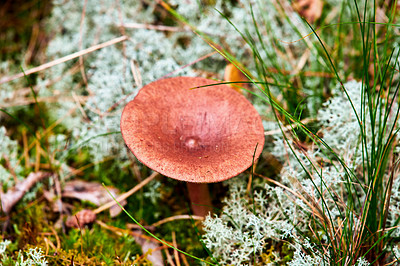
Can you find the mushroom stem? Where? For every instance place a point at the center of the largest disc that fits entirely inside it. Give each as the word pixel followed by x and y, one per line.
pixel 199 198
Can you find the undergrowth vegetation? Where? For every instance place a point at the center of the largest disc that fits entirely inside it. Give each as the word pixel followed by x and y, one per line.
pixel 325 191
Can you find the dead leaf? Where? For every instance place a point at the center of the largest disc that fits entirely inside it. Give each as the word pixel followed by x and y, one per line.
pixel 14 194
pixel 81 219
pixel 233 74
pixel 92 192
pixel 151 250
pixel 311 10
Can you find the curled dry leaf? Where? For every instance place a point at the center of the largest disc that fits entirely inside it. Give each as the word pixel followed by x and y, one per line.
pixel 80 219
pixel 14 194
pixel 311 10
pixel 92 192
pixel 233 74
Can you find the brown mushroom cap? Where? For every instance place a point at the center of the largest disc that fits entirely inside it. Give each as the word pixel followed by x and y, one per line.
pixel 201 135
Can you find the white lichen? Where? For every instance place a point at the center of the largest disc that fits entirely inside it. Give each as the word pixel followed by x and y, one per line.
pixel 34 257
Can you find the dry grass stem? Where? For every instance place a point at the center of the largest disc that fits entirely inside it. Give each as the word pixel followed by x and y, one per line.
pixel 153 27
pixel 280 185
pixel 136 74
pixel 176 254
pixel 24 92
pixel 178 217
pixel 121 232
pixel 151 247
pixel 64 59
pixel 288 127
pixel 56 237
pixel 306 199
pixel 39 137
pixel 48 99
pixel 301 63
pixel 138 81
pixel 126 194
pixel 81 169
pixel 78 100
pixel 167 220
pixel 184 260
pixel 189 64
pixel 48 244
pixel 32 42
pixel 169 259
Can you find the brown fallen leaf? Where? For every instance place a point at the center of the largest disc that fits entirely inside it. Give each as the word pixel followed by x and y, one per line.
pixel 92 192
pixel 81 219
pixel 311 10
pixel 14 194
pixel 233 74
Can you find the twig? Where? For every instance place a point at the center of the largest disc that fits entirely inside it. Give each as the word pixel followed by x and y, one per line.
pixel 121 232
pixel 176 254
pixel 184 260
pixel 126 194
pixel 152 27
pixel 13 195
pixel 64 59
pixel 177 217
pixel 169 259
pixel 153 226
pixel 136 74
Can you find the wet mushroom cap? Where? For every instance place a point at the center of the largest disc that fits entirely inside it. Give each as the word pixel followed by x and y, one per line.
pixel 201 135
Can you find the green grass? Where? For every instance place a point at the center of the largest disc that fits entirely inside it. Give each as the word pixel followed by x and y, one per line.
pixel 361 231
pixel 349 240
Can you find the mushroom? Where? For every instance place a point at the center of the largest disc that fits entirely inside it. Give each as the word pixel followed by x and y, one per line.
pixel 192 133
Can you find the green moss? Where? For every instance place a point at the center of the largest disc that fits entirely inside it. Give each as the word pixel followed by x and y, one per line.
pixel 91 246
pixel 286 253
